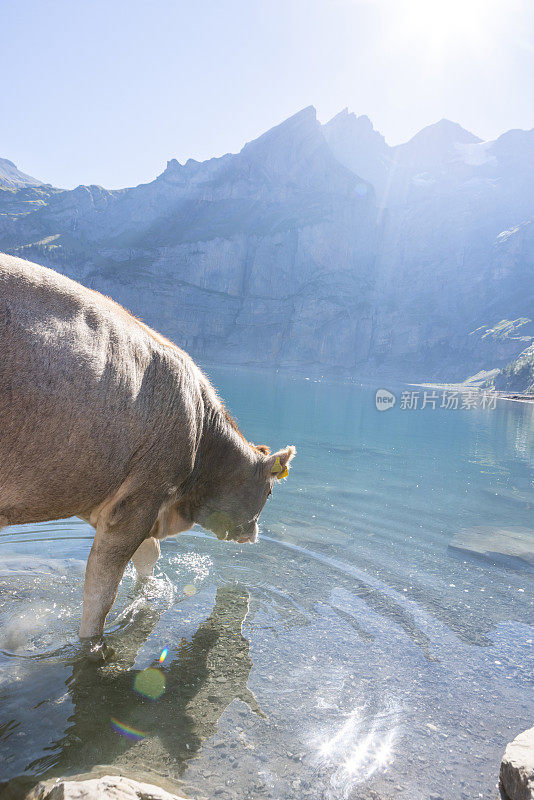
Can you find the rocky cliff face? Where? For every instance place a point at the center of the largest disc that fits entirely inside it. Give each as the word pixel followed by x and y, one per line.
pixel 315 246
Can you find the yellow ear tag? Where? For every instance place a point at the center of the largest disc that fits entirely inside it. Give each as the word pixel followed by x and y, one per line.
pixel 278 470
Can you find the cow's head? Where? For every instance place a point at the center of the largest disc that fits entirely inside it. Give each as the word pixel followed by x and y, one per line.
pixel 232 508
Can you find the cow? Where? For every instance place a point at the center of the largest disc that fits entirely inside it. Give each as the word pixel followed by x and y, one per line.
pixel 103 418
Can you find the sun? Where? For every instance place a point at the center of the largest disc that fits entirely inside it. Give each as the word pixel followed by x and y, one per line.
pixel 441 26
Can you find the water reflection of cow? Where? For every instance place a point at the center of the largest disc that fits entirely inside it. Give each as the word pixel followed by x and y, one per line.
pixel 203 678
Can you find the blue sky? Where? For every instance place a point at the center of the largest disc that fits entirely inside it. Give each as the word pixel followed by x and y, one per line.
pixel 106 92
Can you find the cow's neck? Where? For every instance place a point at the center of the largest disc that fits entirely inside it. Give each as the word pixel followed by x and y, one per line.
pixel 222 451
pixel 222 448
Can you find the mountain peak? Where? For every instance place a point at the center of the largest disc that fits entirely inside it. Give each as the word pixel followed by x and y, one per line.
pixel 286 148
pixel 346 119
pixel 443 132
pixel 434 148
pixel 13 178
pixel 356 144
pixel 302 124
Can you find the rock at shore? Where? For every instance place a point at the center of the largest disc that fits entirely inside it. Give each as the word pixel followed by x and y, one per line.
pixel 517 768
pixel 109 787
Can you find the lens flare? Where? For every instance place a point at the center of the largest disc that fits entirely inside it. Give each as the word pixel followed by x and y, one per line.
pixel 150 683
pixel 125 730
pixel 189 589
pixel 163 655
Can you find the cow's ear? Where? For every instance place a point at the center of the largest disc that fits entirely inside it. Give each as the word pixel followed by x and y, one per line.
pixel 278 463
pixel 262 448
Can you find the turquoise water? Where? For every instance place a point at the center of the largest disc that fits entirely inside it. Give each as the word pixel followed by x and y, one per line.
pixel 377 642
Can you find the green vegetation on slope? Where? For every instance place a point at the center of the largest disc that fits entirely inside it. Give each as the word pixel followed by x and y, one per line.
pixel 518 375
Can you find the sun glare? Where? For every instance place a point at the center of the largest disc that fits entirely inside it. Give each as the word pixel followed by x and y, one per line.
pixel 442 26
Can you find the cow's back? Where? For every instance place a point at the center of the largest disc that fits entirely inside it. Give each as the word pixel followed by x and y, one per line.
pixel 85 389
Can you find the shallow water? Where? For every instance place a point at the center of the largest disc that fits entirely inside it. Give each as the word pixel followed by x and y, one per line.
pixel 377 642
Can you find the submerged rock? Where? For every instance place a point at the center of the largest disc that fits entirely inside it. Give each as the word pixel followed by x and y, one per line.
pixel 513 546
pixel 517 768
pixel 114 787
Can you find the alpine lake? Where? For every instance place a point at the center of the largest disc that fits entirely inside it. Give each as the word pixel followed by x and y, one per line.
pixel 377 642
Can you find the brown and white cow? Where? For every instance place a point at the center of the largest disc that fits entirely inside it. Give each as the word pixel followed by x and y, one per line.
pixel 104 419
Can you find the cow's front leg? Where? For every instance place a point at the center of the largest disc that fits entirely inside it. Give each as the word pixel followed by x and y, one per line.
pixel 145 557
pixel 123 523
pixel 105 567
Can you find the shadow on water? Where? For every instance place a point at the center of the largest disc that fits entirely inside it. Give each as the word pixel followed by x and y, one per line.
pixel 117 708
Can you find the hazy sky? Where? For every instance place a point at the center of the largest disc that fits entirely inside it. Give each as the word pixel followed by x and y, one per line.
pixel 105 91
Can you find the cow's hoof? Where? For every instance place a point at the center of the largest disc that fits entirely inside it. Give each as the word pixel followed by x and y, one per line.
pixel 97 651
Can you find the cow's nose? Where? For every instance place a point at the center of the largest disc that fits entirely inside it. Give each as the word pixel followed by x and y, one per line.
pixel 251 535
